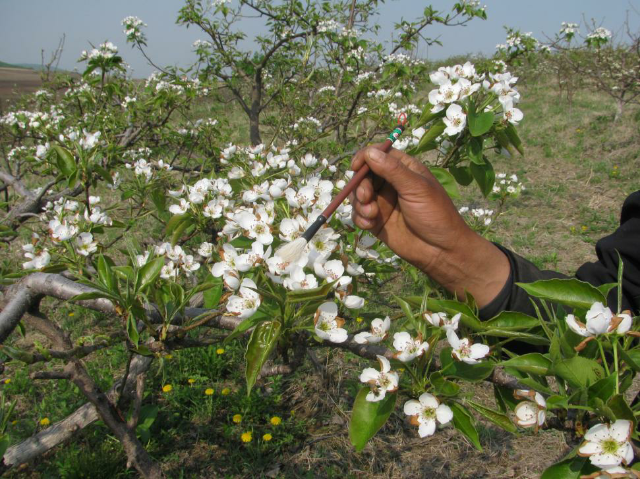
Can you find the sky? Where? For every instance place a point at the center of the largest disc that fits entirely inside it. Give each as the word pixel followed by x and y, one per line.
pixel 29 26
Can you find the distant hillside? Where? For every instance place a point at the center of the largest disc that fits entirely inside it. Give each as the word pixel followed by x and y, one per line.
pixel 27 66
pixel 9 65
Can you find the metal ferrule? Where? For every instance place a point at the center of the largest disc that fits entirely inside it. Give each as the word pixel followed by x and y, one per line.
pixel 313 229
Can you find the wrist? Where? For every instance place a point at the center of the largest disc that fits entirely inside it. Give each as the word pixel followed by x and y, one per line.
pixel 471 265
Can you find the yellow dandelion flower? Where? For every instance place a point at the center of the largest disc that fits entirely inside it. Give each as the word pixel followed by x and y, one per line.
pixel 615 167
pixel 209 391
pixel 7 381
pixel 584 228
pixel 191 380
pixel 225 392
pixel 267 437
pixel 167 388
pixel 45 421
pixel 359 319
pixel 275 420
pixel 237 418
pixel 247 436
pixel 71 314
pixel 13 423
pixel 220 351
pixel 168 356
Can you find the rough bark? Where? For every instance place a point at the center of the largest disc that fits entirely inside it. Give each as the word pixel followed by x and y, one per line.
pixel 64 430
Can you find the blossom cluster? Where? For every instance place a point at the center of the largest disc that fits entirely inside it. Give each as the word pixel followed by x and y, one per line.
pixel 24 119
pixel 507 185
pixel 568 29
pixel 459 83
pixel 477 218
pixel 69 227
pixel 402 59
pixel 133 29
pixel 598 37
pixel 104 51
pixel 427 411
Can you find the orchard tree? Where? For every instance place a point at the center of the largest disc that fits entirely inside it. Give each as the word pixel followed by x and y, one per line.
pixel 304 41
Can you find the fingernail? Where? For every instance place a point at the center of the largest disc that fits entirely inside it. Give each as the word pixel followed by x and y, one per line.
pixel 376 155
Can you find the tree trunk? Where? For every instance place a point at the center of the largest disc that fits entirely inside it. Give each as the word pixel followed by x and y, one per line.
pixel 254 127
pixel 619 109
pixel 254 112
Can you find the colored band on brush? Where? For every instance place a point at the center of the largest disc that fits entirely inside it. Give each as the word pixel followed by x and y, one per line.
pixel 396 133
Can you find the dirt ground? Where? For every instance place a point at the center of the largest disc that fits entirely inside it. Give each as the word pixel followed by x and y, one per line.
pixel 15 81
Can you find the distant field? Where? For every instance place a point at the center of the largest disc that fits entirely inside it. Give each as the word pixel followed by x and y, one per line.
pixel 16 81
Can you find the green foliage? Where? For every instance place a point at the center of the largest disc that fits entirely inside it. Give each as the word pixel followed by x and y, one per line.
pixel 368 417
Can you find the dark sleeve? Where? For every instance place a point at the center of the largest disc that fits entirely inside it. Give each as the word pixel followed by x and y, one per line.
pixel 625 240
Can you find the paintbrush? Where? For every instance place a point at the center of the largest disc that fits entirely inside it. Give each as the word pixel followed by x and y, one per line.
pixel 293 250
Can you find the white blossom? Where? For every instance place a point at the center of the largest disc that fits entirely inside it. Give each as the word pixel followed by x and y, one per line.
pixel 426 412
pixel 381 382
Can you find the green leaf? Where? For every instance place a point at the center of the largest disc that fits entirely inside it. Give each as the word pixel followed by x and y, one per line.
pixel 496 417
pixel 631 358
pixel 463 422
pixel 309 294
pixel 247 324
pixel 368 417
pixel 621 409
pixel 90 295
pixel 532 363
pixel 175 221
pixel 570 292
pixel 159 199
pixel 447 181
pixel 504 398
pixel 451 307
pixel 443 386
pixel 148 274
pixel 427 142
pixel 148 414
pixel 605 288
pixel 480 123
pixel 578 371
pixel 406 308
pixel 427 116
pixel 132 330
pixel 603 389
pixel 105 274
pixel 212 296
pixel 568 469
pixel 512 320
pixel 474 151
pixel 65 161
pixel 462 174
pixel 177 232
pixel 458 369
pixel 519 335
pixel 512 135
pixel 4 443
pixel 484 176
pixel 263 339
pixel 557 402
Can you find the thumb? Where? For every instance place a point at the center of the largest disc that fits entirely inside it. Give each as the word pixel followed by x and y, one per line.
pixel 395 172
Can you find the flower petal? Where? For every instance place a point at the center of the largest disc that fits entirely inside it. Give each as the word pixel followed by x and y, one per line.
pixel 427 428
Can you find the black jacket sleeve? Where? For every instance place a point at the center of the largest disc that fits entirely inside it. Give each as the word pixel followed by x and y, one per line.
pixel 625 240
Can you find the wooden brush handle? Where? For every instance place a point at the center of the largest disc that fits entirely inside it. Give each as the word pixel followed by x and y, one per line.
pixel 353 184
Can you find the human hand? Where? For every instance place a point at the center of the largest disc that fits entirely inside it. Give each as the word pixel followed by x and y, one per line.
pixel 405 206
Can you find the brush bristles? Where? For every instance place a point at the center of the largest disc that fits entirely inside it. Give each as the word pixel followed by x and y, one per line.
pixel 292 251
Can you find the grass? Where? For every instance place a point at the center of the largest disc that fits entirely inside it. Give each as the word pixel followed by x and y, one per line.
pixel 578 168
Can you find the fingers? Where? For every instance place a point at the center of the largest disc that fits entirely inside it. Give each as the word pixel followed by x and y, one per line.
pixel 404 173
